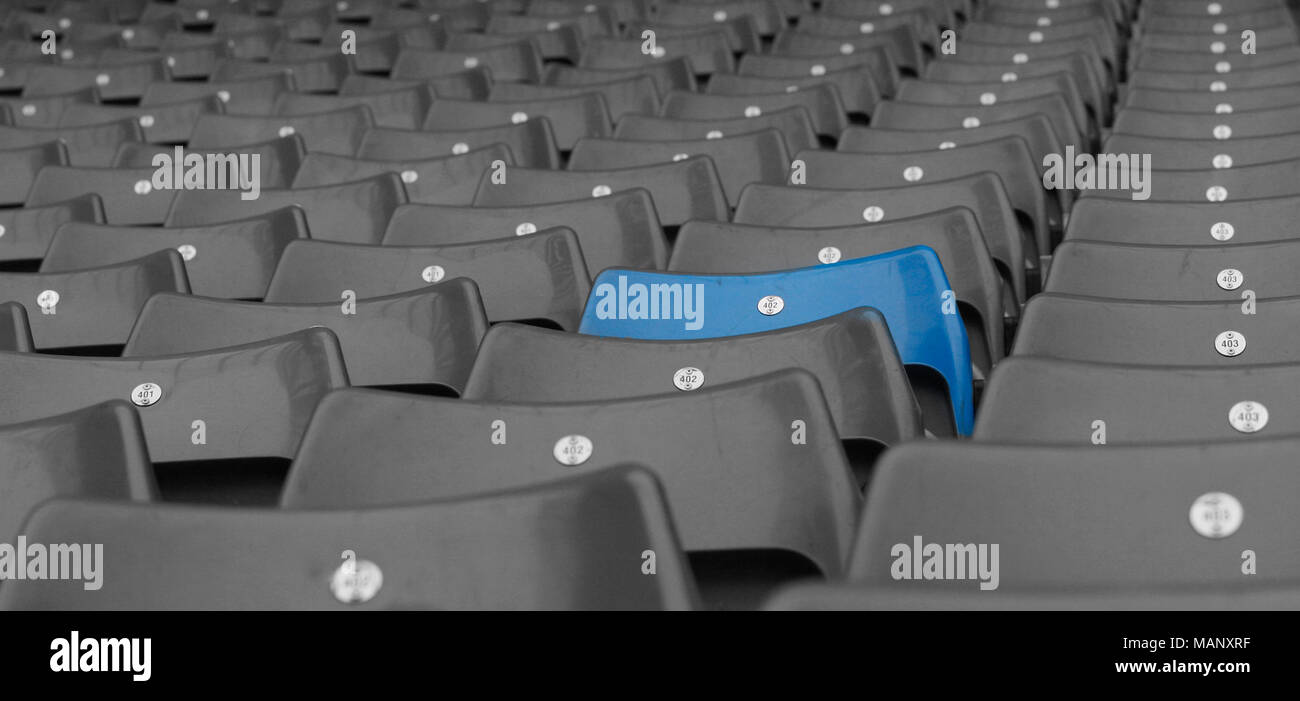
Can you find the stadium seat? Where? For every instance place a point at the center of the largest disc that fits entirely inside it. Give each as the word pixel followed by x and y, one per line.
pixel 516 62
pixel 279 158
pixel 429 335
pixel 163 123
pixel 355 211
pixel 759 156
pixel 93 453
pixel 249 96
pixel 1159 333
pixel 25 233
pixel 668 74
pixel 716 247
pixel 775 514
pixel 869 396
pixel 1176 273
pixel 621 229
pixel 793 122
pixel 45 111
pixel 15 332
pixel 402 108
pixel 623 96
pixel 575 543
pixel 92 307
pixel 983 194
pixel 908 286
pixel 1180 223
pixel 20 166
pixel 249 401
pixel 539 278
pixel 531 142
pixel 1133 404
pixel 1008 157
pixel 230 260
pixel 88 147
pixel 1033 500
pixel 450 180
pixel 821 100
pixel 338 132
pixel 571 117
pixel 682 190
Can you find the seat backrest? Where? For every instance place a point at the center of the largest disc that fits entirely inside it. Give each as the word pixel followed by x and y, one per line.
pixel 539 547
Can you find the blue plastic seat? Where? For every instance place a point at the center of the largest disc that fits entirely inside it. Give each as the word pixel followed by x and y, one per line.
pixel 907 286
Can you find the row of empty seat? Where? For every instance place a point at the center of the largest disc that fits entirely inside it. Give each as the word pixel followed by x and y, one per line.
pixel 648 304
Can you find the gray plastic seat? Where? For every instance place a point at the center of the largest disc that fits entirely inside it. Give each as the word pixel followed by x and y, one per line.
pixel 857 597
pixel 45 111
pixel 1200 154
pixel 88 147
pixel 25 233
pixel 1244 123
pixel 401 108
pixel 759 156
pixel 1044 400
pixel 471 84
pixel 92 308
pixel 851 354
pixel 253 400
pixel 233 260
pixel 93 453
pixel 20 166
pixel 128 194
pixel 803 207
pixel 337 132
pixel 623 96
pixel 718 247
pixel 161 123
pixel 15 331
pixel 249 96
pixel 1203 102
pixel 355 211
pixel 419 338
pixel 571 117
pixel 707 52
pixel 857 89
pixel 682 190
pixel 117 82
pixel 1160 333
pixel 320 74
pixel 450 180
pixel 1008 157
pixel 539 278
pixel 822 101
pixel 1246 182
pixel 279 158
pixel 793 122
pixel 909 115
pixel 620 230
pixel 533 548
pixel 668 74
pixel 1175 273
pixel 531 142
pixel 874 61
pixel 749 502
pixel 1053 512
pixel 1181 223
pixel 517 62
